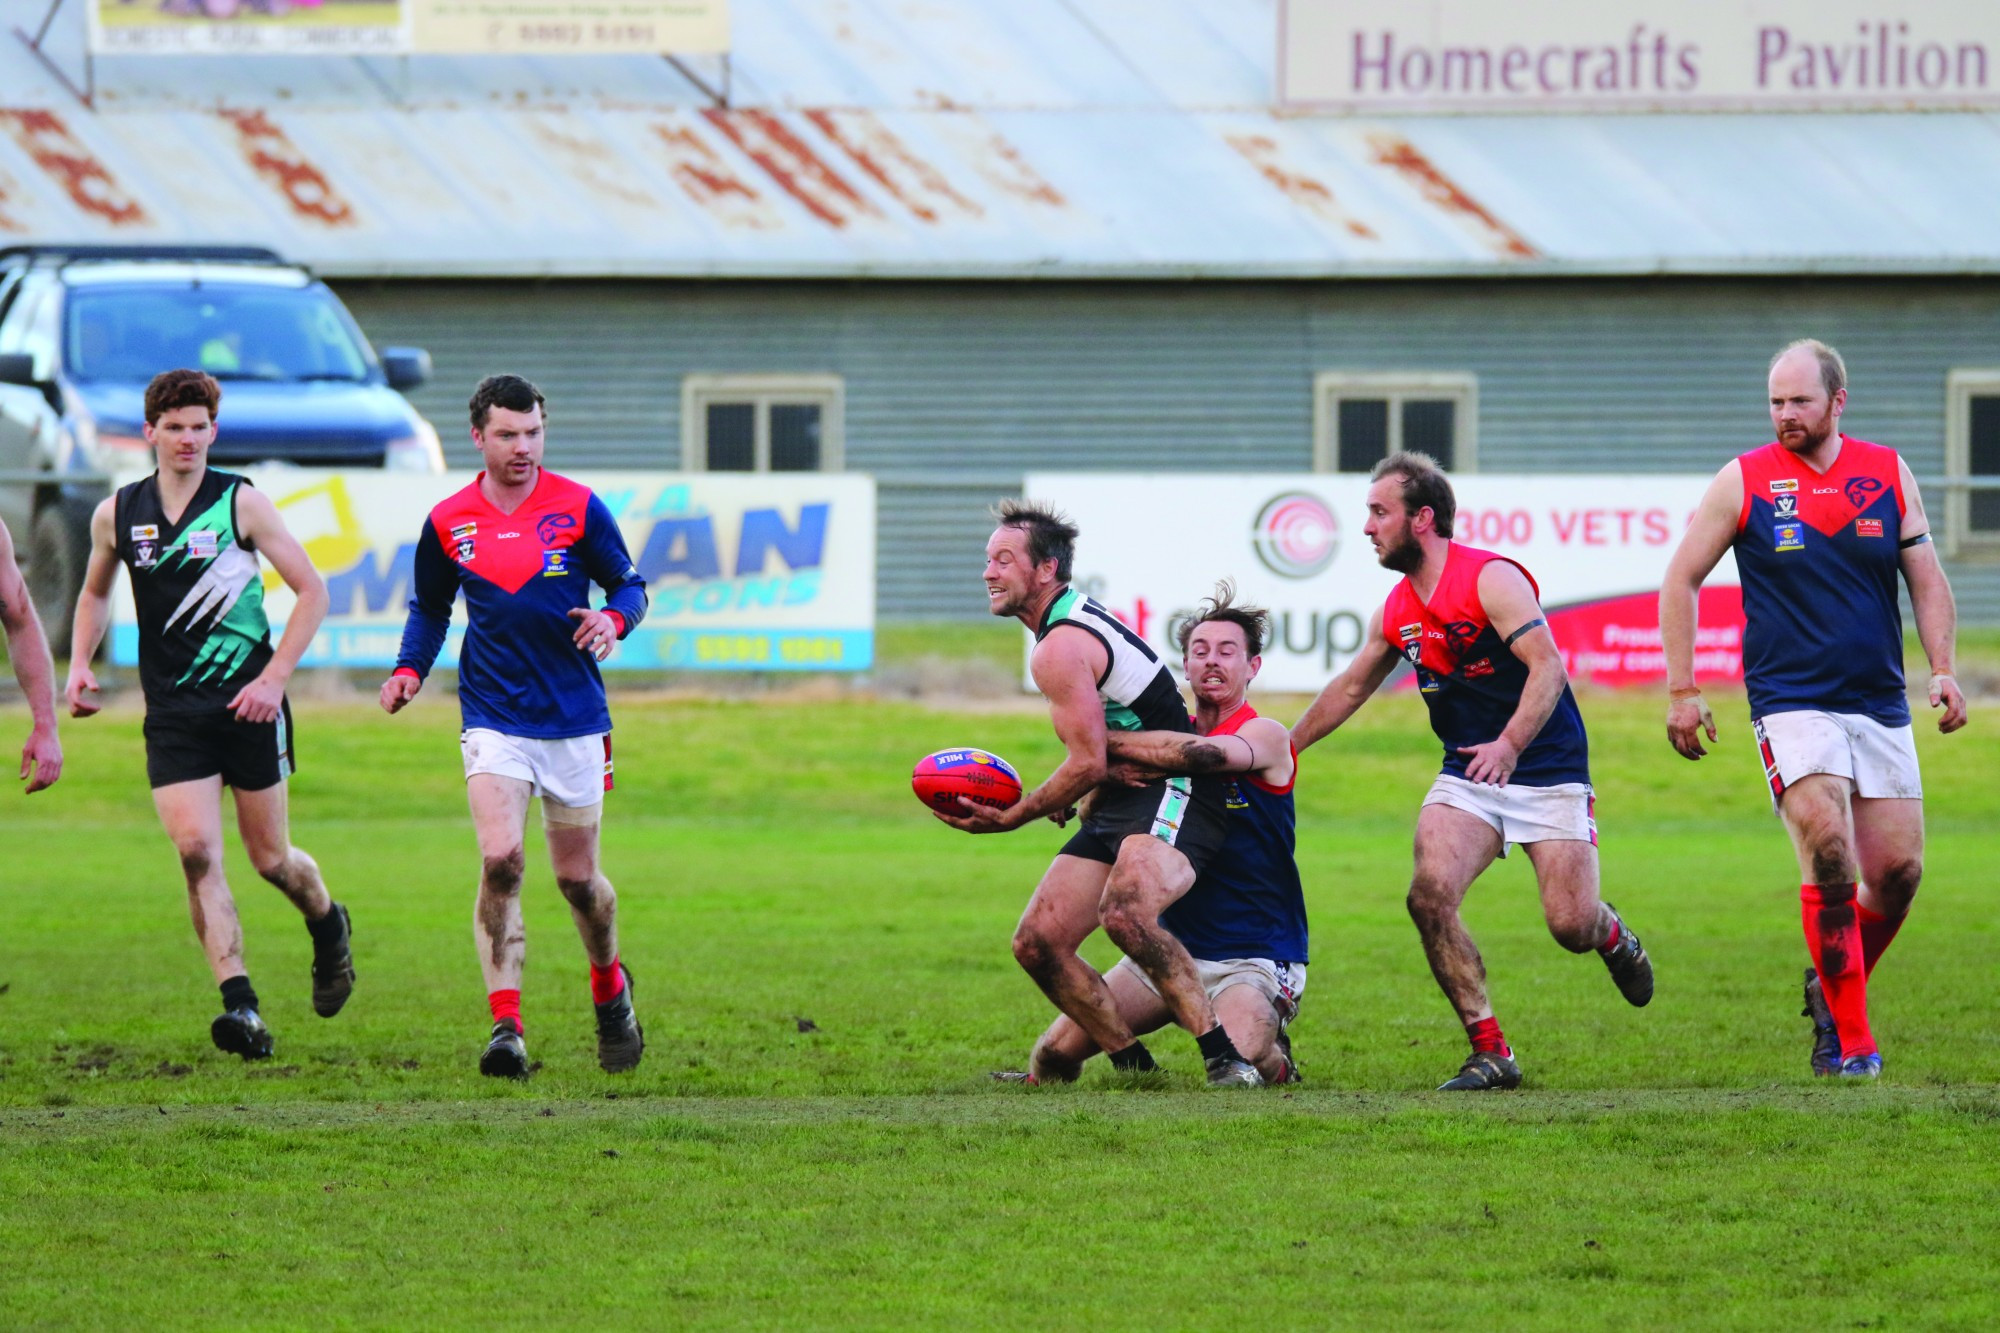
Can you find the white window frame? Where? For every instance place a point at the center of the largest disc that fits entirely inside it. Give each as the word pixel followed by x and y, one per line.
pixel 1330 386
pixel 828 392
pixel 1961 386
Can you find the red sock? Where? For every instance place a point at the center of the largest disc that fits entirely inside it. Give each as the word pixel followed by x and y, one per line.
pixel 1617 934
pixel 1486 1036
pixel 505 1004
pixel 1876 932
pixel 1833 938
pixel 606 982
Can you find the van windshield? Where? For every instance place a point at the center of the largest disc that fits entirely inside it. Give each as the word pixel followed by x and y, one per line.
pixel 239 333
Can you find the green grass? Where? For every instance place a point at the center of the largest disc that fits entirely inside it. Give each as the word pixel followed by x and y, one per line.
pixel 1667 1167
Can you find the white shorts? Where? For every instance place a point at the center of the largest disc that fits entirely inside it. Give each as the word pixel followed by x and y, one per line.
pixel 573 773
pixel 1878 760
pixel 1280 983
pixel 1566 812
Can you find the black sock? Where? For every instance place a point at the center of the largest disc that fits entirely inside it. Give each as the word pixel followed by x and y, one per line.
pixel 326 930
pixel 1215 1042
pixel 1134 1059
pixel 237 993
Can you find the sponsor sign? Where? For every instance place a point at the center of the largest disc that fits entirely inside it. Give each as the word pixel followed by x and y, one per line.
pixel 1639 55
pixel 404 27
pixel 746 572
pixel 1598 546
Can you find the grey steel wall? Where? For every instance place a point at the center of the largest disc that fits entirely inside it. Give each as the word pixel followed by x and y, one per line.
pixel 954 390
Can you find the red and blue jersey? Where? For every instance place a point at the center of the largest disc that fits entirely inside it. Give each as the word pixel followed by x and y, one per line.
pixel 1818 554
pixel 1247 902
pixel 1471 680
pixel 519 671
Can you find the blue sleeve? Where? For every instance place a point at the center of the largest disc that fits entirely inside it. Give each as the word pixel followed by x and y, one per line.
pixel 609 564
pixel 433 590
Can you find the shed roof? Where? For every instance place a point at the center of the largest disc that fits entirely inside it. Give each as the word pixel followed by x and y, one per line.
pixel 975 138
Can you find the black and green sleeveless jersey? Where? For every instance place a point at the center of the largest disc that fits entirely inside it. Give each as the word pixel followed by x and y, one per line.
pixel 200 594
pixel 1137 690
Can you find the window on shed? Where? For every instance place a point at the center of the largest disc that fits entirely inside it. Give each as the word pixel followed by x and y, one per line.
pixel 762 423
pixel 1360 418
pixel 1972 454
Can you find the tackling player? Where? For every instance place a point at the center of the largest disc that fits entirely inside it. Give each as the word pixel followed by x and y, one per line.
pixel 1244 921
pixel 1822 524
pixel 525 544
pixel 1138 848
pixel 216 713
pixel 1516 760
pixel 28 650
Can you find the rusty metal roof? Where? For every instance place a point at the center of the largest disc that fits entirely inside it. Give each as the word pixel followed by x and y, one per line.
pixel 954 138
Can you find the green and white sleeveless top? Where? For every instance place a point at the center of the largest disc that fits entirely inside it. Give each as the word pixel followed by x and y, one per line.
pixel 199 591
pixel 1138 691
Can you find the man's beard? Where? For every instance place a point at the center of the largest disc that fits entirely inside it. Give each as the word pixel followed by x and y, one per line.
pixel 1814 438
pixel 1405 557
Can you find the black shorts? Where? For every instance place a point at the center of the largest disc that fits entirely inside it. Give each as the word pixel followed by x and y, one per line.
pixel 250 756
pixel 1184 813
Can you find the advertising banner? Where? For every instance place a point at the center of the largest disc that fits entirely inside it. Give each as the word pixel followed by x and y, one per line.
pixel 249 27
pixel 1152 547
pixel 747 572
pixel 404 27
pixel 1639 55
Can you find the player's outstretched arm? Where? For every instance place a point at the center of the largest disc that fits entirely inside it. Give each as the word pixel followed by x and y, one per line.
pixel 263 698
pixel 1931 599
pixel 1346 692
pixel 28 648
pixel 1708 535
pixel 1516 616
pixel 1066 668
pixel 93 610
pixel 1261 745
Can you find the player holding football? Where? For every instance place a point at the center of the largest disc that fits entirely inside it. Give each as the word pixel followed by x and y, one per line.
pixel 1516 760
pixel 1821 524
pixel 28 649
pixel 525 544
pixel 216 713
pixel 1244 921
pixel 1139 848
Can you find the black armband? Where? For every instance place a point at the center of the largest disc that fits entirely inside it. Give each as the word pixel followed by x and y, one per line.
pixel 1917 540
pixel 1524 629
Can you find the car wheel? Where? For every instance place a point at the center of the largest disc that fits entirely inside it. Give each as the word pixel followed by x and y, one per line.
pixel 58 551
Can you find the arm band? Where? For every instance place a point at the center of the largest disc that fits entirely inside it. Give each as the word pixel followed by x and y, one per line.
pixel 1917 540
pixel 1524 629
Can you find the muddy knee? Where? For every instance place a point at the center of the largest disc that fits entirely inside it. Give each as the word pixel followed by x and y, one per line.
pixel 1830 863
pixel 1126 922
pixel 1428 903
pixel 502 874
pixel 195 863
pixel 583 894
pixel 1897 884
pixel 274 869
pixel 1037 954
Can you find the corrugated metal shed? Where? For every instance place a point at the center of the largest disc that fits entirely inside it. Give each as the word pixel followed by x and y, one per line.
pixel 978 138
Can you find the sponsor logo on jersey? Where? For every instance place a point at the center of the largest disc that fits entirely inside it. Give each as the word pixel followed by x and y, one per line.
pixel 1784 485
pixel 1459 635
pixel 1788 505
pixel 145 532
pixel 464 530
pixel 1868 527
pixel 503 536
pixel 1427 682
pixel 201 546
pixel 551 526
pixel 1826 490
pixel 555 563
pixel 464 549
pixel 145 551
pixel 1483 667
pixel 1410 633
pixel 1789 536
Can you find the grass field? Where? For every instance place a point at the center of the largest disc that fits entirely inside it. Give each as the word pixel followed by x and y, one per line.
pixel 1674 1166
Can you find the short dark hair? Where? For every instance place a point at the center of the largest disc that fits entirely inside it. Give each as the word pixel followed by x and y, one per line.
pixel 174 389
pixel 1424 486
pixel 1254 621
pixel 508 391
pixel 1832 370
pixel 1051 536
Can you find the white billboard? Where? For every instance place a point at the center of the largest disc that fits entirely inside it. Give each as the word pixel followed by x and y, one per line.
pixel 1638 55
pixel 747 572
pixel 1154 546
